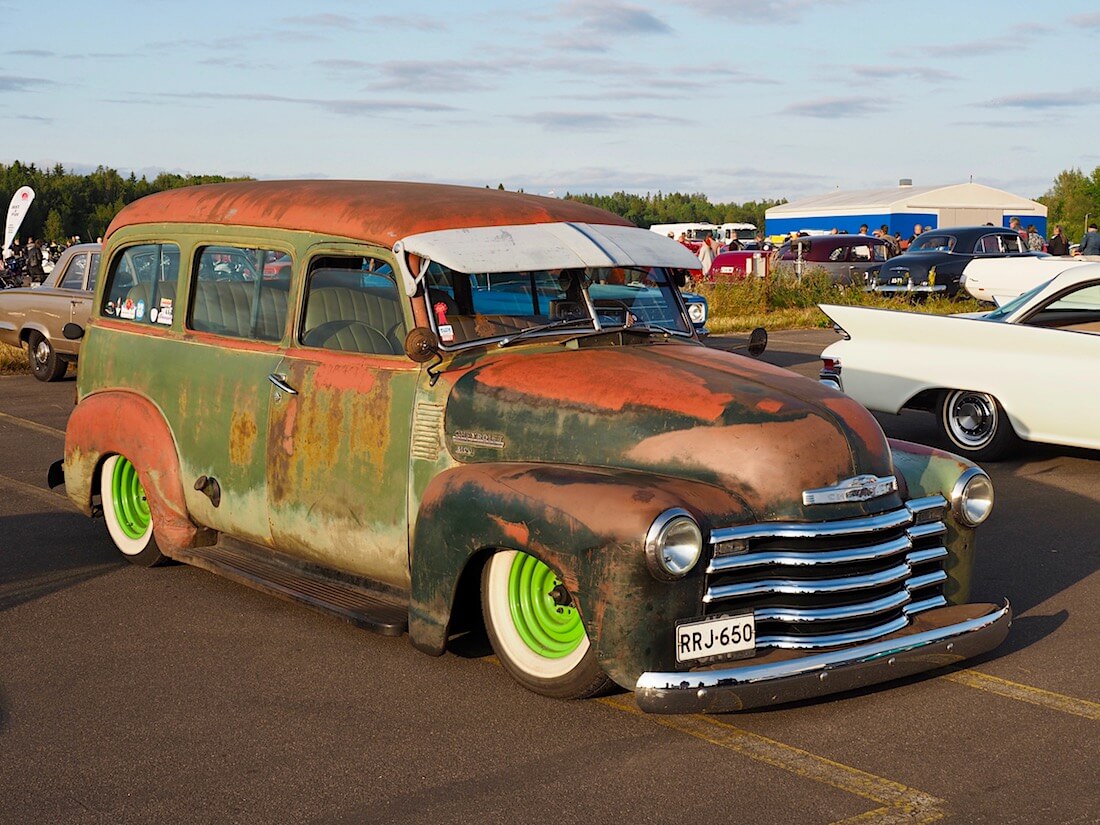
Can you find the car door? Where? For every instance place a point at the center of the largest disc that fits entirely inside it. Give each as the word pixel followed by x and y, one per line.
pixel 341 408
pixel 79 276
pixel 1049 369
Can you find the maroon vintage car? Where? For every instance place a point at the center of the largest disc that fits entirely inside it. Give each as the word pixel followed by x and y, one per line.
pixel 845 257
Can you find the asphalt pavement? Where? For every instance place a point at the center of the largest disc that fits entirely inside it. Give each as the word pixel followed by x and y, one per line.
pixel 134 695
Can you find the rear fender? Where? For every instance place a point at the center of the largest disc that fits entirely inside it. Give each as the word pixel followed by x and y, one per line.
pixel 119 422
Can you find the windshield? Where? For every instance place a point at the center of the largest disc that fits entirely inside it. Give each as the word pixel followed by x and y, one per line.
pixel 1003 311
pixel 929 241
pixel 468 308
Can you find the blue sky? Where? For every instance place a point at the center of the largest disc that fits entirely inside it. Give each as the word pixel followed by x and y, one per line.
pixel 738 100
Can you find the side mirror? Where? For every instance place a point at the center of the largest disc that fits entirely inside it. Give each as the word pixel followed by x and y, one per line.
pixel 74 332
pixel 758 342
pixel 420 345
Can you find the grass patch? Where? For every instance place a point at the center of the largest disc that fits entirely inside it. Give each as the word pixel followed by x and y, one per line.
pixel 784 303
pixel 13 361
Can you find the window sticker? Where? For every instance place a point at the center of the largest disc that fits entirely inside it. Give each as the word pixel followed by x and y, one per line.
pixel 139 313
pixel 446 334
pixel 128 310
pixel 164 315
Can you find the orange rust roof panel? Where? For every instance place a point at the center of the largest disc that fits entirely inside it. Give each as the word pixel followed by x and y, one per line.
pixel 379 212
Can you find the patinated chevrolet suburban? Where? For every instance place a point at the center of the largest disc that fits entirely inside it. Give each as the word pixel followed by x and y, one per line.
pixel 449 397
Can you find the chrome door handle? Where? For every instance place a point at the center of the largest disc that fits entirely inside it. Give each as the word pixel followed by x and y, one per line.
pixel 280 383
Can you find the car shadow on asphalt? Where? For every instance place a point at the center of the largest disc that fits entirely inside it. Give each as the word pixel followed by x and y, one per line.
pixel 48 552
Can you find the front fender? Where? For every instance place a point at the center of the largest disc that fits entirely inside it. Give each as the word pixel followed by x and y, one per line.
pixel 928 472
pixel 128 424
pixel 589 525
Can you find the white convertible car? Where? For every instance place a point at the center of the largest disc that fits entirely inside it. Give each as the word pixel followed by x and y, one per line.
pixel 999 280
pixel 1027 370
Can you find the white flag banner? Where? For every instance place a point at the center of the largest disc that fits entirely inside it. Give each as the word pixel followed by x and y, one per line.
pixel 17 210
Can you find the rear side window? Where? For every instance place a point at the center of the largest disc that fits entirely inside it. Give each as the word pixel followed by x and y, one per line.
pixel 230 295
pixel 353 305
pixel 141 284
pixel 75 272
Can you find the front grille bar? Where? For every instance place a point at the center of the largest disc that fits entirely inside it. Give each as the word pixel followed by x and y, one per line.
pixel 833 639
pixel 725 564
pixel 833 614
pixel 844 584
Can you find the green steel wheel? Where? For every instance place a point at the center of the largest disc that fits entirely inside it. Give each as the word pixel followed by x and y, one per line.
pixel 126 511
pixel 534 629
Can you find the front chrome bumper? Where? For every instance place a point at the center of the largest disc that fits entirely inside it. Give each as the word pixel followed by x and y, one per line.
pixel 892 289
pixel 936 638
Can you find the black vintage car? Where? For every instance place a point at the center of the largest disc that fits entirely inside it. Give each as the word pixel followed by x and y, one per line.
pixel 935 261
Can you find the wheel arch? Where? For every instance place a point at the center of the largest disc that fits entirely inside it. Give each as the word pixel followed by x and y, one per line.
pixel 588 525
pixel 33 326
pixel 124 423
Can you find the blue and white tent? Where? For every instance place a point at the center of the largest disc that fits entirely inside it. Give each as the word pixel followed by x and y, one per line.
pixel 902 207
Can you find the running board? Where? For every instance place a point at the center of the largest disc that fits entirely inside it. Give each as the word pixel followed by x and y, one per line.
pixel 355 602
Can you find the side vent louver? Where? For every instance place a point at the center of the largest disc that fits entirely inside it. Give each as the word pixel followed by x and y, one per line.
pixel 427 431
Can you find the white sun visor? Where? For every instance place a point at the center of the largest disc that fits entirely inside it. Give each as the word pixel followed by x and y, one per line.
pixel 491 249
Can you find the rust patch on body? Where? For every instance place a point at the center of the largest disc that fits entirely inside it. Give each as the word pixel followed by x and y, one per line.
pixel 519 532
pixel 242 437
pixel 638 382
pixel 377 211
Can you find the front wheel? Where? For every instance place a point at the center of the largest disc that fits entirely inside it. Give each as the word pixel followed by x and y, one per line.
pixel 46 363
pixel 976 425
pixel 534 629
pixel 126 511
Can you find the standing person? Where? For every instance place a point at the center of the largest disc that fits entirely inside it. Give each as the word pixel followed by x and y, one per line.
pixel 706 253
pixel 917 230
pixel 1090 242
pixel 34 262
pixel 1014 225
pixel 1058 244
pixel 1035 241
pixel 863 229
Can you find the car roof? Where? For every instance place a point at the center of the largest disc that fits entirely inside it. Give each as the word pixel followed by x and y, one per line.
pixel 969 231
pixel 379 212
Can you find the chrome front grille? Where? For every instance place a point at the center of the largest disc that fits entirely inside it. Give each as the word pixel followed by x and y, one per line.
pixel 830 583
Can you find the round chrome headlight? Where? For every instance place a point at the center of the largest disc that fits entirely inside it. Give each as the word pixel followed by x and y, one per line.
pixel 697 312
pixel 673 545
pixel 972 497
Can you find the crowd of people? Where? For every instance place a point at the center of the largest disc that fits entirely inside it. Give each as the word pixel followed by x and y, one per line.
pixel 25 264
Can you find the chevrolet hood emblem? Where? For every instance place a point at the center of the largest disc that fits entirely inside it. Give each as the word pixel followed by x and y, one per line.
pixel 859 488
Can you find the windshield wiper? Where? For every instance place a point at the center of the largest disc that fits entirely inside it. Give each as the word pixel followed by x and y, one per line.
pixel 523 333
pixel 644 329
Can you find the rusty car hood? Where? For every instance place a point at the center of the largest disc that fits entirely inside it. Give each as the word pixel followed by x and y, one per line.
pixel 760 432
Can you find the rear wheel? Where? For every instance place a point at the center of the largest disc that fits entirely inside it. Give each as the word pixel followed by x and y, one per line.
pixel 126 511
pixel 976 425
pixel 46 363
pixel 534 629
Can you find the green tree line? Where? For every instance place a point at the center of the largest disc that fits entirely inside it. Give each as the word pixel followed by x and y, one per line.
pixel 1073 201
pixel 675 207
pixel 67 204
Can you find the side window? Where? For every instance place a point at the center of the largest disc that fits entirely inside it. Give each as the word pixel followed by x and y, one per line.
pixel 861 253
pixel 352 304
pixel 94 270
pixel 74 272
pixel 230 296
pixel 141 284
pixel 837 254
